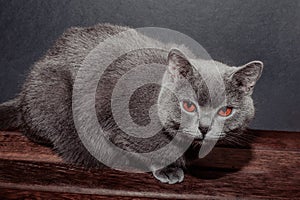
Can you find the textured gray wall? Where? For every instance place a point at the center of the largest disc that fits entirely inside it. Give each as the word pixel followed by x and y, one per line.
pixel 232 31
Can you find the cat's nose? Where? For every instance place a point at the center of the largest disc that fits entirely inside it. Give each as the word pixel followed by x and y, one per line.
pixel 204 129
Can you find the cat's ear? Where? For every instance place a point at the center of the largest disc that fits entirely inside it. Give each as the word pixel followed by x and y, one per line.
pixel 246 76
pixel 178 64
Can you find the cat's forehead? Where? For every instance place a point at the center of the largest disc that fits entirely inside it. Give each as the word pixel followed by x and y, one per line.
pixel 212 88
pixel 211 67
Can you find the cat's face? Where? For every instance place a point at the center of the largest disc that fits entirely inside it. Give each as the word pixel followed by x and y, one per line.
pixel 207 112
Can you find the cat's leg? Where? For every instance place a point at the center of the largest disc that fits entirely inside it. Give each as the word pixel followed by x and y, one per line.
pixel 171 174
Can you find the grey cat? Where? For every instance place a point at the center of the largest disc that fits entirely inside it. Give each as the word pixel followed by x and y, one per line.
pixel 43 109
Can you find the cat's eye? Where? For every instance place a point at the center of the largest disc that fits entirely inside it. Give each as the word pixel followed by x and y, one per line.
pixel 225 111
pixel 189 106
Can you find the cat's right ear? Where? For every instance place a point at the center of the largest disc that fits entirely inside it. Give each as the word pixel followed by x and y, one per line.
pixel 247 75
pixel 178 65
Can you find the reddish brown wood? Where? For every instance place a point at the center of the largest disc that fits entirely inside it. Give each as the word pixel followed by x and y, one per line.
pixel 276 140
pixel 15 146
pixel 268 171
pixel 32 194
pixel 58 177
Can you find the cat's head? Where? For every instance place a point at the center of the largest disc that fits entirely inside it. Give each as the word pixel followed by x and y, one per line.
pixel 203 111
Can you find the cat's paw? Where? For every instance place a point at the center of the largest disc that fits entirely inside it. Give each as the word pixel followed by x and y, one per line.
pixel 169 175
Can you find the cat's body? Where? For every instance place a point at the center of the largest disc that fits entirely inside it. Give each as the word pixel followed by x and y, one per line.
pixel 43 109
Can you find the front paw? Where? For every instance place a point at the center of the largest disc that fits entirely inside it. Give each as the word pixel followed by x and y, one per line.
pixel 169 175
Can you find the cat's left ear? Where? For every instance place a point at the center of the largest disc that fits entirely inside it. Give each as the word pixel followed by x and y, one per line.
pixel 178 64
pixel 247 75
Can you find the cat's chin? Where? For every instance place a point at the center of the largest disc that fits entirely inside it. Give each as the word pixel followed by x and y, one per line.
pixel 198 141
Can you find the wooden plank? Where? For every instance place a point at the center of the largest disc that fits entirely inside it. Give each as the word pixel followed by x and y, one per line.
pixel 270 170
pixel 53 177
pixel 33 194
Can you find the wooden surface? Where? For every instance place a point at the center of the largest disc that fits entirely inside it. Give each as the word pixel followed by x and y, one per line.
pixel 269 170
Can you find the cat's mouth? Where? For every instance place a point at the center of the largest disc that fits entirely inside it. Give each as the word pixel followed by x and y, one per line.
pixel 198 140
pixel 207 137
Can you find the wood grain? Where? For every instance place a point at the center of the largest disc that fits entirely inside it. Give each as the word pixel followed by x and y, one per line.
pixel 32 194
pixel 270 170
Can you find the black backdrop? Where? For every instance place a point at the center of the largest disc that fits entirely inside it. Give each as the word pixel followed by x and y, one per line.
pixel 232 31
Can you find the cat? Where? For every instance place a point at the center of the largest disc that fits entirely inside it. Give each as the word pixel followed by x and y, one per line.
pixel 43 108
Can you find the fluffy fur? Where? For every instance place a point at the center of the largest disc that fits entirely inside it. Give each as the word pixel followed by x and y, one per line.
pixel 43 109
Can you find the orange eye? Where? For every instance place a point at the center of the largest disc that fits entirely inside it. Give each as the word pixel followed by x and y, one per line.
pixel 225 111
pixel 189 106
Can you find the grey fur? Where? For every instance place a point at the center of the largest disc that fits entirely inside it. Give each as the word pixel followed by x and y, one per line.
pixel 43 109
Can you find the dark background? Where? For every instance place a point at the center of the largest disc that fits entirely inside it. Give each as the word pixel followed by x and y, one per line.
pixel 232 31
